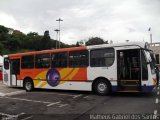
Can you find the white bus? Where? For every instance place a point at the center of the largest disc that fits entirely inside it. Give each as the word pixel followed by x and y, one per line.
pixel 105 68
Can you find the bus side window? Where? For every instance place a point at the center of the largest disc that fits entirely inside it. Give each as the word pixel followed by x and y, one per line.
pixel 102 57
pixel 42 61
pixel 59 60
pixel 78 58
pixel 6 63
pixel 27 62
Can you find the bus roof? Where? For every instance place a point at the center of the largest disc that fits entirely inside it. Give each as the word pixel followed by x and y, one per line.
pixel 48 51
pixel 139 44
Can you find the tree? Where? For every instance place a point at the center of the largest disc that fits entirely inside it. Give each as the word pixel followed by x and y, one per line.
pixel 77 44
pixel 45 42
pixel 32 34
pixel 95 41
pixel 3 29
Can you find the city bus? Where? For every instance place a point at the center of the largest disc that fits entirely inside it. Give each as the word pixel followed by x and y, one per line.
pixel 103 69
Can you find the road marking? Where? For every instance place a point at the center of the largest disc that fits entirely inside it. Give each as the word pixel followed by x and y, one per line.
pixel 53 104
pixel 10 116
pixel 11 93
pixel 77 96
pixel 155 112
pixel 63 105
pixel 86 97
pixel 156 100
pixel 14 93
pixel 27 100
pixel 49 103
pixel 158 88
pixel 27 118
pixel 158 93
pixel 61 94
pixel 2 94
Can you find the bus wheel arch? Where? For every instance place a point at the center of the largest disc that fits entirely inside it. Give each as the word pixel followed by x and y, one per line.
pixel 101 86
pixel 28 84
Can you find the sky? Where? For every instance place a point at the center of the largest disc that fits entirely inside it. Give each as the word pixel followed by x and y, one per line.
pixel 116 20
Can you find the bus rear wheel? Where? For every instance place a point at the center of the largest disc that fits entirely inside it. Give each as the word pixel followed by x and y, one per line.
pixel 102 87
pixel 28 85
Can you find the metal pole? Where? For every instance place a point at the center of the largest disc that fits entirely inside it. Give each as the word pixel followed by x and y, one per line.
pixel 59 33
pixel 56 37
pixel 59 20
pixel 151 37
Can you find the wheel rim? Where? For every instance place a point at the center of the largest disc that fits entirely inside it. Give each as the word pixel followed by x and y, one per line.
pixel 102 87
pixel 28 86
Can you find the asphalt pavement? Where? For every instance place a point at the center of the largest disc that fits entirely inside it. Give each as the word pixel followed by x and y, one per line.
pixel 40 104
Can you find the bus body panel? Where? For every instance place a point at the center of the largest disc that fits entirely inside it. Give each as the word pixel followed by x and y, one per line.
pixel 75 78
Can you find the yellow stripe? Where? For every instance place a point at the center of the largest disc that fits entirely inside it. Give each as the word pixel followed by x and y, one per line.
pixel 43 84
pixel 36 82
pixel 64 72
pixel 73 74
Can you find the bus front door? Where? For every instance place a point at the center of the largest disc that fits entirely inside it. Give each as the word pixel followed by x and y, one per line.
pixel 15 71
pixel 129 70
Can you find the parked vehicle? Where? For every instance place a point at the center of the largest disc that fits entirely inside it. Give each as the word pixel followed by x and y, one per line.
pixel 106 68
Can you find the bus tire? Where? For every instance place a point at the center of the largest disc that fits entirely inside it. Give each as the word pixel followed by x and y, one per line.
pixel 28 85
pixel 102 87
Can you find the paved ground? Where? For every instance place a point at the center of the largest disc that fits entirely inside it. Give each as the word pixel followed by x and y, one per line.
pixel 67 105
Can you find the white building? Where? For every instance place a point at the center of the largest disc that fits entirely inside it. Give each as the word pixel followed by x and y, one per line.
pixel 156 50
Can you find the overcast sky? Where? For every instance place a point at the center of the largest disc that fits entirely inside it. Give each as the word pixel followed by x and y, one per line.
pixel 116 20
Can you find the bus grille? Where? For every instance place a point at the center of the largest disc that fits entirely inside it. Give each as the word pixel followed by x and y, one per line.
pixel 5 77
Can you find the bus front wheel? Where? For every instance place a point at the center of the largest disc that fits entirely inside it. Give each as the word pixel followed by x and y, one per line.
pixel 28 85
pixel 102 87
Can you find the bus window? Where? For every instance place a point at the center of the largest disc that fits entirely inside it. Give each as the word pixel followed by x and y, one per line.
pixel 15 69
pixel 78 58
pixel 6 63
pixel 59 60
pixel 102 57
pixel 42 61
pixel 27 62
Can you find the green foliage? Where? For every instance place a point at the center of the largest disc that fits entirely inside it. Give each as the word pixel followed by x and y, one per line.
pixel 77 44
pixel 45 42
pixel 14 41
pixel 95 41
pixel 3 29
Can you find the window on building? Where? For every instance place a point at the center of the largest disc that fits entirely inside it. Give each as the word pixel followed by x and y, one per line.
pixel 59 60
pixel 27 62
pixel 78 58
pixel 42 61
pixel 102 57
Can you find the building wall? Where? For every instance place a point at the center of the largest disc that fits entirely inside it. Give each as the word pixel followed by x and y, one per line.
pixel 156 49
